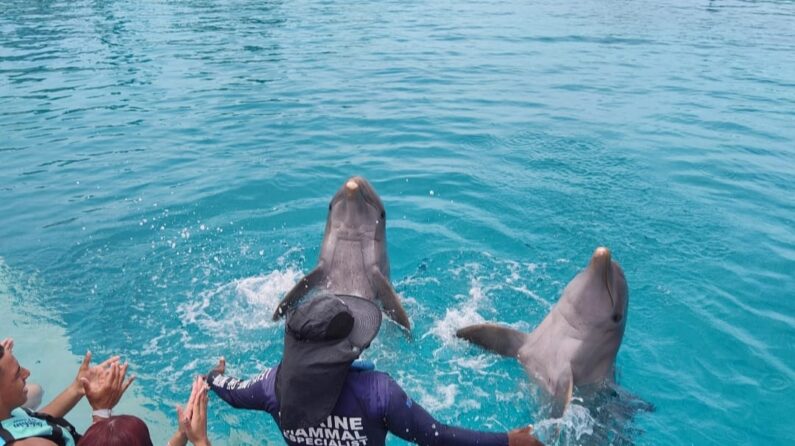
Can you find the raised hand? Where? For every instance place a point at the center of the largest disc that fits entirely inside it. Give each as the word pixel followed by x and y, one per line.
pixel 220 367
pixel 193 419
pixel 86 370
pixel 523 437
pixel 104 384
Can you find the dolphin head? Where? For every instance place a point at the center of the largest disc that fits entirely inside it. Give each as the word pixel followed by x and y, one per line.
pixel 356 211
pixel 596 299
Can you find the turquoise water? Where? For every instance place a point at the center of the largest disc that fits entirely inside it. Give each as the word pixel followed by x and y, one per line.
pixel 165 169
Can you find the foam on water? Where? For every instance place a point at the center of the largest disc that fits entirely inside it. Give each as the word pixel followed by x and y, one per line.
pixel 238 300
pixel 442 397
pixel 465 314
pixel 575 424
pixel 165 174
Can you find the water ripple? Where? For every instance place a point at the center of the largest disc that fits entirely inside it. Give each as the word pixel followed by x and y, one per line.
pixel 158 156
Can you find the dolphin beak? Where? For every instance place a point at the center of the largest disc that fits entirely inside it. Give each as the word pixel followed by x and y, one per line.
pixel 351 187
pixel 601 261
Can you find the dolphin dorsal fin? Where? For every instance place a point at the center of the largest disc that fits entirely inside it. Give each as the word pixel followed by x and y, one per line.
pixel 497 338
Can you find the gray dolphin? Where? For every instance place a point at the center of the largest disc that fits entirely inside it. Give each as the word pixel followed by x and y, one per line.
pixel 353 258
pixel 577 343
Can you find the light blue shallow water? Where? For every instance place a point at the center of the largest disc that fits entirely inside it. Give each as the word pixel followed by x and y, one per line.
pixel 165 169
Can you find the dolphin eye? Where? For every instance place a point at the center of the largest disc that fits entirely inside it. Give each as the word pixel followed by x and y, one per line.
pixel 383 215
pixel 329 206
pixel 617 317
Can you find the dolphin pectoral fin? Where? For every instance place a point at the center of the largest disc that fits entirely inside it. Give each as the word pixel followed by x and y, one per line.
pixel 390 300
pixel 299 290
pixel 564 387
pixel 503 340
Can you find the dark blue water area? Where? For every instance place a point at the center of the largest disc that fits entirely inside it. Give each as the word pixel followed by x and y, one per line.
pixel 166 167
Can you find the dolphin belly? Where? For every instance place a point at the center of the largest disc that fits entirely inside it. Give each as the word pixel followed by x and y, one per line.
pixel 348 273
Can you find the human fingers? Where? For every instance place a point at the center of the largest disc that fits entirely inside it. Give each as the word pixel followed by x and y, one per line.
pixel 200 393
pixel 181 420
pixel 198 421
pixel 203 404
pixel 88 380
pixel 86 360
pixel 119 378
pixel 86 384
pixel 119 384
pixel 114 384
pixel 127 384
pixel 112 376
pixel 109 361
pixel 101 386
pixel 523 437
pixel 188 412
pixel 98 377
pixel 8 344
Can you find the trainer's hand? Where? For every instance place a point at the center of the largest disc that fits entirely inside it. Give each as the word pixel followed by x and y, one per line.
pixel 219 368
pixel 523 437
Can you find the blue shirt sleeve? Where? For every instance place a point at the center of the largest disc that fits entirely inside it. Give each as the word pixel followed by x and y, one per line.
pixel 409 421
pixel 255 393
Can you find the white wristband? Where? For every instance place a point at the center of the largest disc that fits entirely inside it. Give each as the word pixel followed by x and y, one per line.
pixel 101 413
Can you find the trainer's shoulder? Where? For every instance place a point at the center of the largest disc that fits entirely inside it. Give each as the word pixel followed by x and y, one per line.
pixel 371 380
pixel 373 389
pixel 368 375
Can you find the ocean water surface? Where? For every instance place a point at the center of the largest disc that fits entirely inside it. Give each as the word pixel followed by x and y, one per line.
pixel 166 166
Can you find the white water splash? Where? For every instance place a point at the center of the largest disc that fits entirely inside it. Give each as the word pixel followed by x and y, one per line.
pixel 237 301
pixel 455 318
pixel 268 290
pixel 443 397
pixel 567 430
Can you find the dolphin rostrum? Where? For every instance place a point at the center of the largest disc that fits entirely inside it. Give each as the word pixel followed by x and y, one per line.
pixel 353 259
pixel 576 344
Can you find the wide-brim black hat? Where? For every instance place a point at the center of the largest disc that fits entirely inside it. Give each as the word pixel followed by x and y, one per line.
pixel 322 338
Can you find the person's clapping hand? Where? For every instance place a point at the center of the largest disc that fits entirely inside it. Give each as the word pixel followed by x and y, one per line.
pixel 87 371
pixel 193 419
pixel 523 437
pixel 104 384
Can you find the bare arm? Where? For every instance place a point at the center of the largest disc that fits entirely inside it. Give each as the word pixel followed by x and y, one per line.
pixel 34 441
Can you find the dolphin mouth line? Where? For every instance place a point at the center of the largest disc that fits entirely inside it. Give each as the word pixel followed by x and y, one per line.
pixel 367 200
pixel 607 285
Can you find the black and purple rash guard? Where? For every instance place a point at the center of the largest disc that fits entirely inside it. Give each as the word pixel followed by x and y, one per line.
pixel 370 405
